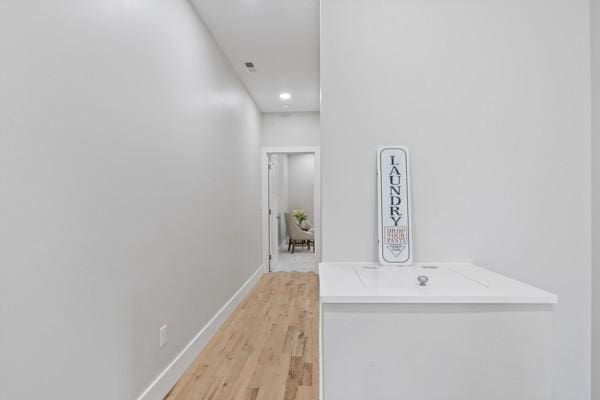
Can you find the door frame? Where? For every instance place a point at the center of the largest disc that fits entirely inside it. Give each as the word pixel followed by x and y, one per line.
pixel 264 161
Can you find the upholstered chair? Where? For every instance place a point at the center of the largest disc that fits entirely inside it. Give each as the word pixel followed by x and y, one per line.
pixel 296 235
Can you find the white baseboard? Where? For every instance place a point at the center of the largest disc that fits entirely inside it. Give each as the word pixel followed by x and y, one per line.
pixel 159 388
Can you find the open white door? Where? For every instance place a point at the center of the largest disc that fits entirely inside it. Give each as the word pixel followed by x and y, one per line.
pixel 273 215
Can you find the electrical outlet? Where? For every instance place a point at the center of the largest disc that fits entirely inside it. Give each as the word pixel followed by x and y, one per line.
pixel 163 336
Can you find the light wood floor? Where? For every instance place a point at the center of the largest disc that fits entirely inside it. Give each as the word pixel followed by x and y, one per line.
pixel 266 350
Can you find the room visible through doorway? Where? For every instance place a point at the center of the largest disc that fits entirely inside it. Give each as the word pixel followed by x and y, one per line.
pixel 292 209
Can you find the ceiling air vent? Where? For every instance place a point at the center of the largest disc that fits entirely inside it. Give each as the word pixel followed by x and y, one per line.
pixel 250 66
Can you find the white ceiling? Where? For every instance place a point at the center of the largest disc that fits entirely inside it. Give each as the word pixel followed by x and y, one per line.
pixel 281 38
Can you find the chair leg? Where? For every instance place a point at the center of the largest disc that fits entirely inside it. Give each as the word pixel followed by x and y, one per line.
pixel 293 246
pixel 308 245
pixel 289 244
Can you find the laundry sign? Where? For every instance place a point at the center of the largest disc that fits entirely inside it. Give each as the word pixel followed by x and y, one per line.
pixel 395 224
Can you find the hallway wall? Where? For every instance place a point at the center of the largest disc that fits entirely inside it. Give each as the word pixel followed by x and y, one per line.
pixel 493 101
pixel 291 129
pixel 595 28
pixel 126 143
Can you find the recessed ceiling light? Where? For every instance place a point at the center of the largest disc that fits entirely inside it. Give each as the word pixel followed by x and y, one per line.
pixel 285 96
pixel 284 106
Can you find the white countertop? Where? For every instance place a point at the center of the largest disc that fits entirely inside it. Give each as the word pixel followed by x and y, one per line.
pixel 453 283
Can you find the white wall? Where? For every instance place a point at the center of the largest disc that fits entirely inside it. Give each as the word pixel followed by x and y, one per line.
pixel 291 129
pixel 493 100
pixel 595 4
pixel 126 143
pixel 301 183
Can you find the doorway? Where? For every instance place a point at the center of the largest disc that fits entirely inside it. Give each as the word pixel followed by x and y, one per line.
pixel 291 209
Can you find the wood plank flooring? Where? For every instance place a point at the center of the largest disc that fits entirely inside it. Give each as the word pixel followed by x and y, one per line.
pixel 266 350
